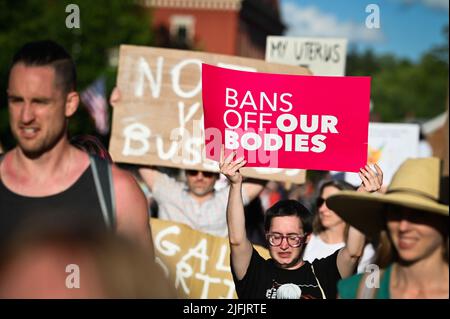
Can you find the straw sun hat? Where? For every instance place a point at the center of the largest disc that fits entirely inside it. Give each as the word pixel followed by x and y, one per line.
pixel 416 184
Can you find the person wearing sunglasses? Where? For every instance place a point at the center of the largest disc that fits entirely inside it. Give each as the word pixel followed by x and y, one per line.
pixel 329 230
pixel 195 202
pixel 288 226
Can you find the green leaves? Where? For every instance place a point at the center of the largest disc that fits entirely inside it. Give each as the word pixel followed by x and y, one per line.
pixel 402 90
pixel 104 25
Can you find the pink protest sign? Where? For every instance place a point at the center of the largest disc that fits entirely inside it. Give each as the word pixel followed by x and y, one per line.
pixel 287 121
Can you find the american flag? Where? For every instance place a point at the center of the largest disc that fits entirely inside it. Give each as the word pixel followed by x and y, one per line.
pixel 94 99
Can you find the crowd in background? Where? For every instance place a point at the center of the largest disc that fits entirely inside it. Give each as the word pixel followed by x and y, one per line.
pixel 61 200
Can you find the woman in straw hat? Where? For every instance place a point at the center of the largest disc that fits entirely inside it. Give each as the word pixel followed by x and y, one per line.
pixel 411 223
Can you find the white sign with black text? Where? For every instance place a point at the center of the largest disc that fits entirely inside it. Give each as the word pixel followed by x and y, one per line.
pixel 322 56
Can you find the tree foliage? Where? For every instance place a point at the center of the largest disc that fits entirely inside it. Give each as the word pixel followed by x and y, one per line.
pixel 402 90
pixel 104 25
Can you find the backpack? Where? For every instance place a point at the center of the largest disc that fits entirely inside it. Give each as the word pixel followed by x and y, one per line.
pixel 102 172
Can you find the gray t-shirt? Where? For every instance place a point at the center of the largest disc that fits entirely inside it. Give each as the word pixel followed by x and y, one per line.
pixel 175 204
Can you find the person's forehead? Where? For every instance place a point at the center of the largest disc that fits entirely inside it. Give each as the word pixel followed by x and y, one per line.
pixel 286 224
pixel 21 69
pixel 395 214
pixel 330 189
pixel 38 80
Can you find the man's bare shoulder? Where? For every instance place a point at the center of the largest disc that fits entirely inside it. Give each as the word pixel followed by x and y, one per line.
pixel 121 176
pixel 7 157
pixel 125 184
pixel 131 208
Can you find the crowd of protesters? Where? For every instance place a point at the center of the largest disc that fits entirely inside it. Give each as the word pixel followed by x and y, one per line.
pixel 66 198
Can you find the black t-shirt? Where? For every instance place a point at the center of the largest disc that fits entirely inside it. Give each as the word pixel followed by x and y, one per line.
pixel 264 279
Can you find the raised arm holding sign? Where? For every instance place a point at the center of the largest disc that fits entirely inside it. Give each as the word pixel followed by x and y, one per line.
pixel 288 225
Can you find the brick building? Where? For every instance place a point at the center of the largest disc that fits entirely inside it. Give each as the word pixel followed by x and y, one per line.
pixel 234 27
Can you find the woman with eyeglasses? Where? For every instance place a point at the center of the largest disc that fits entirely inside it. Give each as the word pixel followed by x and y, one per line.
pixel 329 230
pixel 288 225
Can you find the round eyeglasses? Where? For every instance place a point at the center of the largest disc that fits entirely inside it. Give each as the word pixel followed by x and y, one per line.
pixel 275 239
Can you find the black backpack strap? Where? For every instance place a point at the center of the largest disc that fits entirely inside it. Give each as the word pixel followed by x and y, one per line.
pixel 2 156
pixel 102 172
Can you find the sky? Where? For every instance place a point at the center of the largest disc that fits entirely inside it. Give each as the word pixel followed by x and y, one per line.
pixel 407 28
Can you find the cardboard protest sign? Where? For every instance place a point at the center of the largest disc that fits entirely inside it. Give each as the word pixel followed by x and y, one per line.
pixel 287 121
pixel 390 144
pixel 323 56
pixel 159 120
pixel 198 264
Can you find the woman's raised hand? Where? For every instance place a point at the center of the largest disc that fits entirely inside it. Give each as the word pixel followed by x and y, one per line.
pixel 372 181
pixel 230 168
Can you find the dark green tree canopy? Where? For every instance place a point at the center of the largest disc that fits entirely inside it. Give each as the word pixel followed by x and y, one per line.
pixel 402 90
pixel 104 25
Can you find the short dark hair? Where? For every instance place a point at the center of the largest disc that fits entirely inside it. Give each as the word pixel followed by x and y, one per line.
pixel 49 53
pixel 289 207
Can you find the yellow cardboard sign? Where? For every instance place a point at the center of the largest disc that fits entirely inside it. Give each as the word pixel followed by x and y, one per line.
pixel 196 263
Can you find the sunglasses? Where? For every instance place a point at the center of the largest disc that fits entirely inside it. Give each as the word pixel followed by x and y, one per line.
pixel 319 202
pixel 193 172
